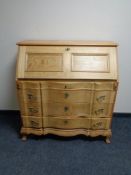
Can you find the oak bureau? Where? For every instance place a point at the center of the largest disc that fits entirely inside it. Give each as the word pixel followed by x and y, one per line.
pixel 67 87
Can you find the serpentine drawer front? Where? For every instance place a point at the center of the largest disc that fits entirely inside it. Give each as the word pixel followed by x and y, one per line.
pixel 67 87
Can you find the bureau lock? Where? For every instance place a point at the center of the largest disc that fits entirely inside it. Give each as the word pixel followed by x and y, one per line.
pixel 67 49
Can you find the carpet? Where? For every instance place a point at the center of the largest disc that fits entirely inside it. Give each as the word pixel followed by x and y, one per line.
pixel 53 155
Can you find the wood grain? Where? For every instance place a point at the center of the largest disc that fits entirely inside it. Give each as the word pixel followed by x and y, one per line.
pixel 67 87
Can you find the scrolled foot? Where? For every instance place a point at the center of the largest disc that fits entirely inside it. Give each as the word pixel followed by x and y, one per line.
pixel 24 138
pixel 108 140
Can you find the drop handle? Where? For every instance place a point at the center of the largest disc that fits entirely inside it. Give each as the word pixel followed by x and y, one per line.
pixel 65 121
pixel 66 95
pixel 30 96
pixel 66 108
pixel 33 110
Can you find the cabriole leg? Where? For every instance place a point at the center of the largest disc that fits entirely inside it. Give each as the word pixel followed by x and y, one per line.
pixel 24 137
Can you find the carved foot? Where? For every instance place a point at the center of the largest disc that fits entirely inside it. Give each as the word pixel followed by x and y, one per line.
pixel 24 138
pixel 108 140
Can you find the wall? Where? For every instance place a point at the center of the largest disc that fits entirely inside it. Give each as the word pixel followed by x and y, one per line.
pixel 64 19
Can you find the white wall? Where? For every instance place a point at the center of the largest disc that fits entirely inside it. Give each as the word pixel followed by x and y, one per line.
pixel 64 19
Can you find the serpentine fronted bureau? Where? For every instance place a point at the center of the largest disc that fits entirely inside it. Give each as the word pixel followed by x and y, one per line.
pixel 67 87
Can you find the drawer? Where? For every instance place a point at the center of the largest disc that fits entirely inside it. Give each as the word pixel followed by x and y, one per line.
pixel 63 123
pixel 53 95
pixel 32 122
pixel 31 109
pixel 100 123
pixel 28 92
pixel 62 109
pixel 28 85
pixel 31 95
pixel 102 110
pixel 104 97
pixel 105 85
pixel 67 85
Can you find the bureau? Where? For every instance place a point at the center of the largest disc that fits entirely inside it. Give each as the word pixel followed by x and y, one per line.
pixel 67 88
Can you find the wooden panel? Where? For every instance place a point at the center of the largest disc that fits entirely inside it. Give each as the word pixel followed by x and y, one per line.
pixel 82 96
pixel 31 122
pixel 102 110
pixel 81 109
pixel 44 62
pixel 90 63
pixel 93 62
pixel 100 123
pixel 66 132
pixel 28 91
pixel 64 123
pixel 28 85
pixel 104 96
pixel 29 98
pixel 105 85
pixel 61 109
pixel 30 95
pixel 31 109
pixel 61 62
pixel 67 85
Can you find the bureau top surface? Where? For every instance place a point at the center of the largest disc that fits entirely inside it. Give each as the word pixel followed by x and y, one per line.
pixel 66 42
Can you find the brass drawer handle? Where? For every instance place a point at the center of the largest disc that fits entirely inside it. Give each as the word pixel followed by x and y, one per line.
pixel 34 123
pixel 33 110
pixel 99 111
pixel 66 108
pixel 98 125
pixel 65 121
pixel 67 49
pixel 101 98
pixel 66 95
pixel 30 96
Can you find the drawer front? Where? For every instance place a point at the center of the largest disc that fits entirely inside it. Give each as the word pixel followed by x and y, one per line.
pixel 31 95
pixel 63 123
pixel 29 98
pixel 31 109
pixel 28 85
pixel 29 92
pixel 61 109
pixel 106 85
pixel 32 122
pixel 67 85
pixel 68 96
pixel 104 97
pixel 102 110
pixel 100 123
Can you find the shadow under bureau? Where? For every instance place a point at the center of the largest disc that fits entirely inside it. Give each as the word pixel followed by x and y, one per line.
pixel 67 87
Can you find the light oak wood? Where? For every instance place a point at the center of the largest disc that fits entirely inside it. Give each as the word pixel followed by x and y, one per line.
pixel 66 43
pixel 67 87
pixel 67 132
pixel 56 62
